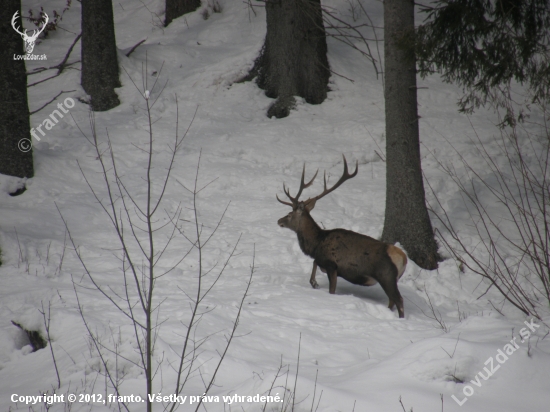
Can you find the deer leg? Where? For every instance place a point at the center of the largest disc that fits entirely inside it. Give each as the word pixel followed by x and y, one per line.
pixel 389 285
pixel 401 309
pixel 332 275
pixel 312 280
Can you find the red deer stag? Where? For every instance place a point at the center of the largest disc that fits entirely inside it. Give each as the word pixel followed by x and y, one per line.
pixel 357 258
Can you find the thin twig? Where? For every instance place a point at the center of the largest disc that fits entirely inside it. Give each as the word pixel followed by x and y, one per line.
pixel 47 327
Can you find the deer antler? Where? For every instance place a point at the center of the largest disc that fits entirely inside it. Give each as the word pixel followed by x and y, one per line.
pixel 13 19
pixel 303 186
pixel 344 177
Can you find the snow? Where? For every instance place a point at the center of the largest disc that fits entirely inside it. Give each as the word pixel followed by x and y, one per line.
pixel 364 356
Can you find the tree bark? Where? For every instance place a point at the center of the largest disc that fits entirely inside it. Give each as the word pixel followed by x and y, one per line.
pixel 177 8
pixel 14 108
pixel 100 73
pixel 293 61
pixel 406 218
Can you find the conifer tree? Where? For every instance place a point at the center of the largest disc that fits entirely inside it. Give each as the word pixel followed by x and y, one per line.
pixel 486 45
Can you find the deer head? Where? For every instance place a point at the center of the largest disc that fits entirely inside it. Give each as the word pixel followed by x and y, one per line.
pixel 293 219
pixel 29 40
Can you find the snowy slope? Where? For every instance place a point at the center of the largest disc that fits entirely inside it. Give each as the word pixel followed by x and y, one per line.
pixel 364 356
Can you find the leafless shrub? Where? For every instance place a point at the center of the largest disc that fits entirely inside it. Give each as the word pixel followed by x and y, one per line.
pixel 514 239
pixel 434 313
pixel 353 33
pixel 53 23
pixel 144 235
pixel 289 402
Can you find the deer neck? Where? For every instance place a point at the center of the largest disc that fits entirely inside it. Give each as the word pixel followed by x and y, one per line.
pixel 309 234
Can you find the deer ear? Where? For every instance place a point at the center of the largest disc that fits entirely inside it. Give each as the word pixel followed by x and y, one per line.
pixel 311 205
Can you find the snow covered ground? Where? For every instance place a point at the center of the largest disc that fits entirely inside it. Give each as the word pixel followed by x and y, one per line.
pixel 365 357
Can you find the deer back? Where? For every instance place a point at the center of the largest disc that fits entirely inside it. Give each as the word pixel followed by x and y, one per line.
pixel 356 257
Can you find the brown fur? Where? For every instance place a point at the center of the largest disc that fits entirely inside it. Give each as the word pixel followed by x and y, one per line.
pixel 357 258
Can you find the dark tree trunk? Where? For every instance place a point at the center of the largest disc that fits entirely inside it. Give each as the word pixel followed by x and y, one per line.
pixel 177 8
pixel 406 220
pixel 293 61
pixel 15 136
pixel 99 56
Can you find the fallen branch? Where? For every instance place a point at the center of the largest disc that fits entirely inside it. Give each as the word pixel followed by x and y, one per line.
pixel 135 47
pixel 48 78
pixel 61 65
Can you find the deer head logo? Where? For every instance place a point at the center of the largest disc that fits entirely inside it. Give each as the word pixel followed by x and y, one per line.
pixel 29 40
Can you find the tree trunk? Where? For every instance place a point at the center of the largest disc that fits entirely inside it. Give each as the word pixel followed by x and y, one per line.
pixel 15 143
pixel 99 55
pixel 177 8
pixel 293 61
pixel 406 219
